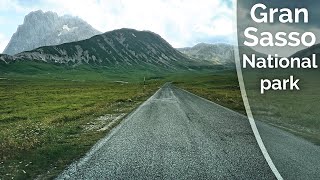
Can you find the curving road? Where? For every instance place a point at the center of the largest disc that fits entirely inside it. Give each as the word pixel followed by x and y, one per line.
pixel 175 135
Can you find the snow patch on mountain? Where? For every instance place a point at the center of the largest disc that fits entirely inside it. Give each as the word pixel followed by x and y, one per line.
pixel 65 27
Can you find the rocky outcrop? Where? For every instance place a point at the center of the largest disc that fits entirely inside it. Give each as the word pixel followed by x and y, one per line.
pixel 46 29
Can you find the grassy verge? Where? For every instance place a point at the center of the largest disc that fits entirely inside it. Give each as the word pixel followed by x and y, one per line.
pixel 291 111
pixel 44 123
pixel 219 87
pixel 294 111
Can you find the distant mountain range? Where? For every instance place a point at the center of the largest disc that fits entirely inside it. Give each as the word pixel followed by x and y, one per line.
pixel 123 48
pixel 67 41
pixel 45 29
pixel 220 54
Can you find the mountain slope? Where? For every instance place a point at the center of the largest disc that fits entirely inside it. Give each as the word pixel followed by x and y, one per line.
pixel 123 48
pixel 217 53
pixel 315 49
pixel 44 29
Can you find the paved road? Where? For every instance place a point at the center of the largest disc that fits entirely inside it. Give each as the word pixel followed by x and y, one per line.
pixel 175 135
pixel 294 157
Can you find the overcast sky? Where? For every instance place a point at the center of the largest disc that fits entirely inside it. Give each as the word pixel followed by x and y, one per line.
pixel 244 21
pixel 181 22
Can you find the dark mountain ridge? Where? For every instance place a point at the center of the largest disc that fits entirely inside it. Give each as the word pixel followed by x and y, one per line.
pixel 122 48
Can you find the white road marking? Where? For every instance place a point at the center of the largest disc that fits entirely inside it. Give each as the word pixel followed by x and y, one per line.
pixel 248 109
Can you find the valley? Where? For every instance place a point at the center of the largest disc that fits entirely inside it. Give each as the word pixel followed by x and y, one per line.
pixel 45 124
pixel 84 97
pixel 43 115
pixel 58 101
pixel 71 95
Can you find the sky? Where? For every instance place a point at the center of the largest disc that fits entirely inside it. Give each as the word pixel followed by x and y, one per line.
pixel 182 23
pixel 244 21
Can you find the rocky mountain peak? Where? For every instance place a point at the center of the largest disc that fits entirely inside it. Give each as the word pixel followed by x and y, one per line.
pixel 48 28
pixel 218 53
pixel 39 15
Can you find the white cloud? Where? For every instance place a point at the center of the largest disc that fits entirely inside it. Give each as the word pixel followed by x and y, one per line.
pixel 2 20
pixel 3 42
pixel 179 22
pixel 8 5
pixel 286 51
pixel 220 27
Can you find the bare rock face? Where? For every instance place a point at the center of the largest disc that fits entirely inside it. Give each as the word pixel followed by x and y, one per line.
pixel 217 53
pixel 46 29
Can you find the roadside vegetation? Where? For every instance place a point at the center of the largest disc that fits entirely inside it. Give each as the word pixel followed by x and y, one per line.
pixel 221 87
pixel 45 124
pixel 48 120
pixel 294 112
pixel 50 116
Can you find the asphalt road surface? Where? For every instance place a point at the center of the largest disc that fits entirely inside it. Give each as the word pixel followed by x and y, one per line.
pixel 176 135
pixel 294 157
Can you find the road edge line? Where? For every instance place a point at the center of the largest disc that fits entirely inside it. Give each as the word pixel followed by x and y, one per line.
pixel 246 102
pixel 255 132
pixel 79 162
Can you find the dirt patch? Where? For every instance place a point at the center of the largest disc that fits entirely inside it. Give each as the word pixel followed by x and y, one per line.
pixel 103 123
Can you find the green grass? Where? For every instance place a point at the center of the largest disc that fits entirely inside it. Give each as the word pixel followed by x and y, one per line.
pixel 45 110
pixel 40 70
pixel 295 111
pixel 221 87
pixel 43 121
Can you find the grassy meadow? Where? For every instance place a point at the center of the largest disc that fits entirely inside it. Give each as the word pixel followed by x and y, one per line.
pixel 294 111
pixel 51 116
pixel 221 87
pixel 45 124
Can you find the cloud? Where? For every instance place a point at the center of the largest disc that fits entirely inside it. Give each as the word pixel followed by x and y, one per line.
pixel 245 21
pixel 3 42
pixel 15 6
pixel 180 22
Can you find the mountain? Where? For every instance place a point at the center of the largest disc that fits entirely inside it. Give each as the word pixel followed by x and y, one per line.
pixel 249 52
pixel 315 49
pixel 222 54
pixel 45 29
pixel 5 59
pixel 123 48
